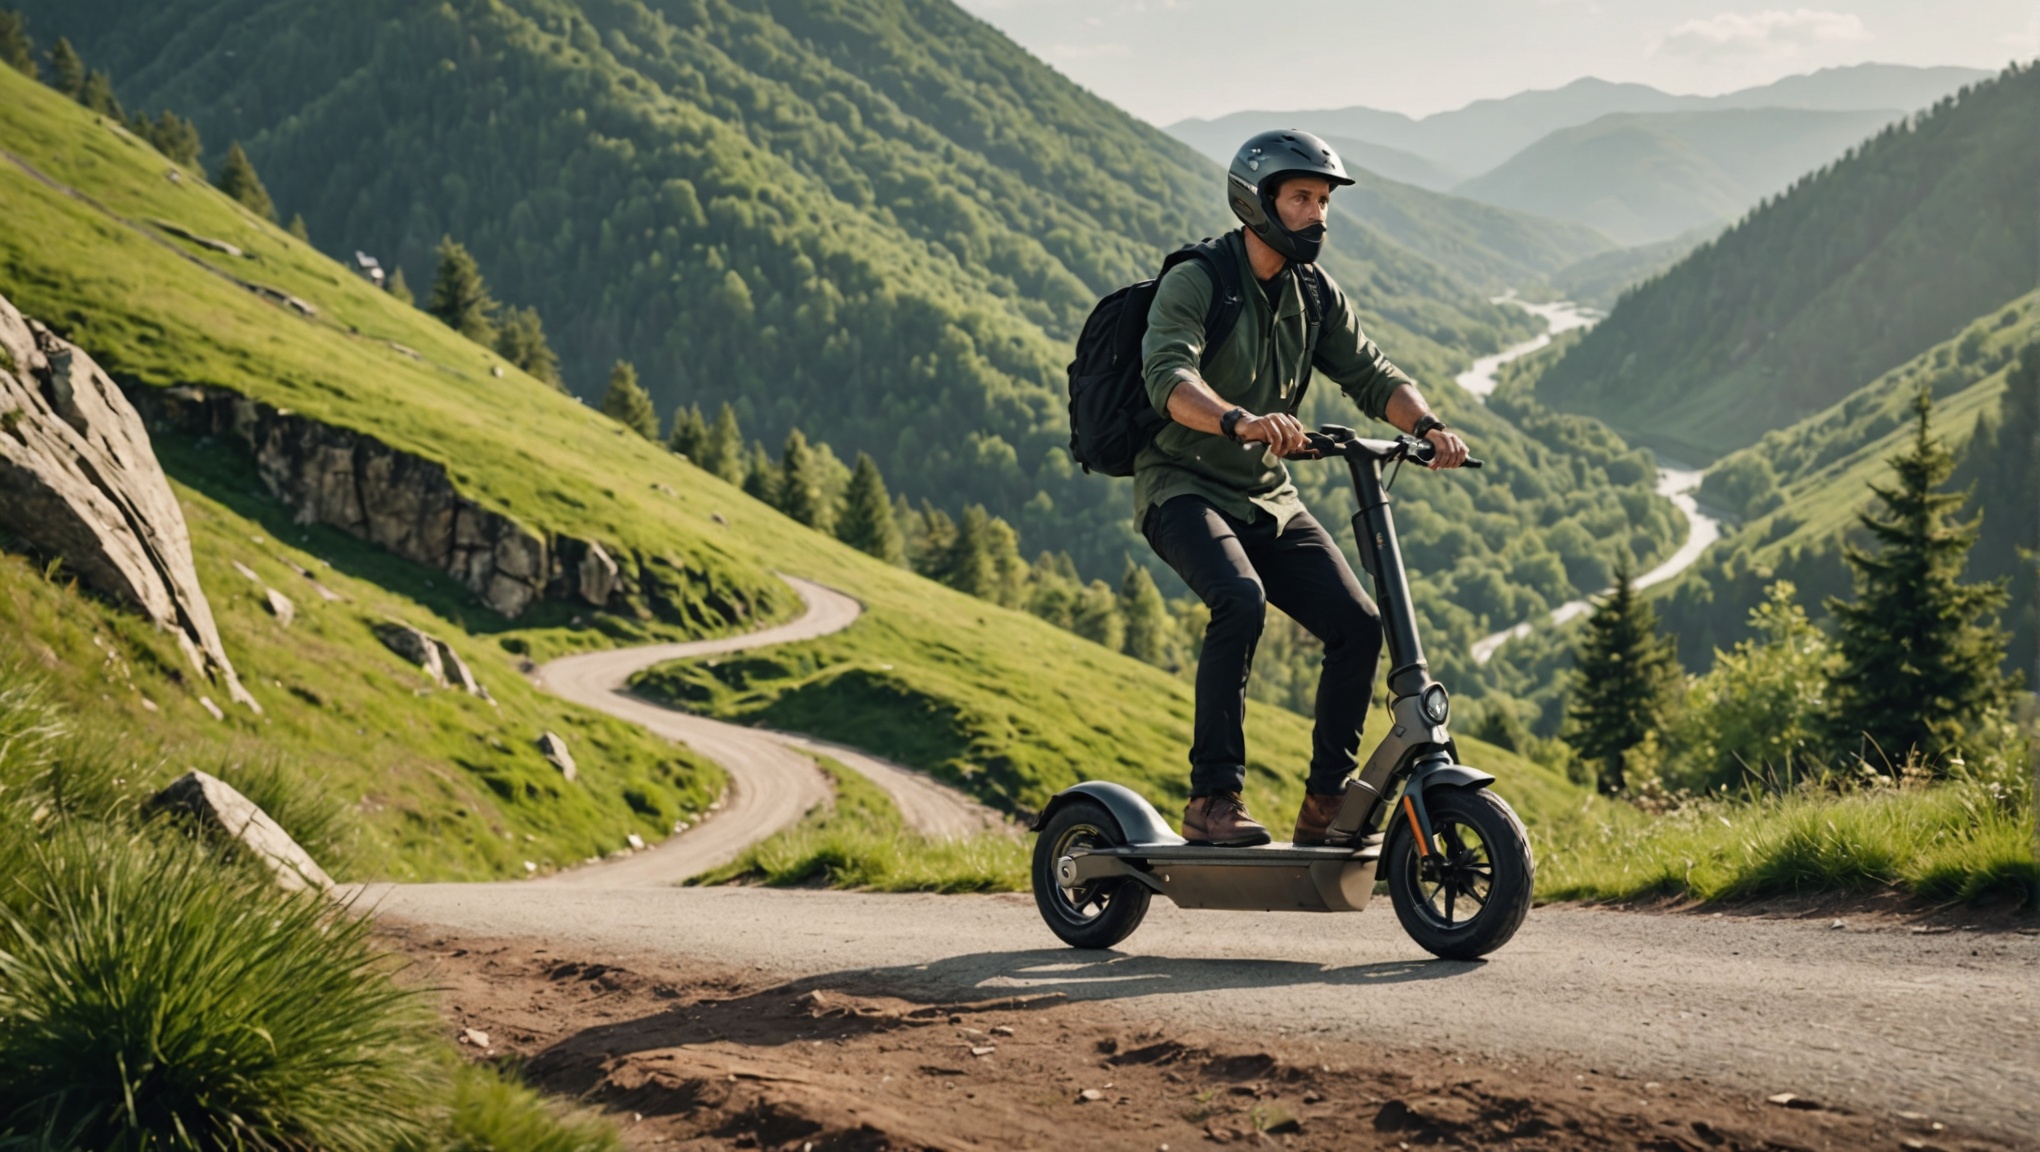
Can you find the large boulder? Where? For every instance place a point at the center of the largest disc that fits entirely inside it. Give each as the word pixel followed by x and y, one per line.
pixel 218 805
pixel 79 480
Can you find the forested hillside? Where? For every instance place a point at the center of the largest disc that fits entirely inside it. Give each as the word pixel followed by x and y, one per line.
pixel 1853 271
pixel 881 222
pixel 1798 490
pixel 1495 249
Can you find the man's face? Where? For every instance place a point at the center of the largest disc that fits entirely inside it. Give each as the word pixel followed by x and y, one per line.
pixel 1303 201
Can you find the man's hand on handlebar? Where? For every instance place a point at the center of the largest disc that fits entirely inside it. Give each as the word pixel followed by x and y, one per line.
pixel 1280 432
pixel 1449 451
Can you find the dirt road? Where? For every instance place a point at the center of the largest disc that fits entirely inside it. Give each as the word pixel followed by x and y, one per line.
pixel 773 780
pixel 1873 1018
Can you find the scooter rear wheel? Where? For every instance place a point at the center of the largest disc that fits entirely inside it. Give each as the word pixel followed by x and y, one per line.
pixel 1467 895
pixel 1095 915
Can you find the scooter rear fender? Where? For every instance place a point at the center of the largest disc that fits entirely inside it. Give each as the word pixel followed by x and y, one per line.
pixel 1138 820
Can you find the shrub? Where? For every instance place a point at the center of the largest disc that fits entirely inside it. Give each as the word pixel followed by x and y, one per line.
pixel 153 995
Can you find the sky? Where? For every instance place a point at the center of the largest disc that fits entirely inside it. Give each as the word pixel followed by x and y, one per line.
pixel 1165 60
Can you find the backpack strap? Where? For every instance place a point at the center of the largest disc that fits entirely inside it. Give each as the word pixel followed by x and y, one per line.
pixel 1311 279
pixel 1228 292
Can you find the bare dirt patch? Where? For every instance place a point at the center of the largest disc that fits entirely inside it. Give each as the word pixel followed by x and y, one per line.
pixel 706 1058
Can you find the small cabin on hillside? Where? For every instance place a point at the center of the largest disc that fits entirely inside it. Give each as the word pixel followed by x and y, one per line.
pixel 369 268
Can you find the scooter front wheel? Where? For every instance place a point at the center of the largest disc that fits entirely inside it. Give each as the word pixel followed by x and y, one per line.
pixel 1094 915
pixel 1466 895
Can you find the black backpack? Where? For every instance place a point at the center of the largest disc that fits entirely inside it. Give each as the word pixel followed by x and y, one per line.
pixel 1110 417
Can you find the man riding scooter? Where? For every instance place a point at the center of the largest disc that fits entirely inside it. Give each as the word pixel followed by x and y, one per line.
pixel 1214 499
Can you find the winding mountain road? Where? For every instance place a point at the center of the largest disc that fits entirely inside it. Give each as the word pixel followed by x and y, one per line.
pixel 773 779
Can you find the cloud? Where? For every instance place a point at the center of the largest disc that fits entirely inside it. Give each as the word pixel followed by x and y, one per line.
pixel 1771 33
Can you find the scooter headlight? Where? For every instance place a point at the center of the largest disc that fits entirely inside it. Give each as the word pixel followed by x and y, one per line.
pixel 1437 705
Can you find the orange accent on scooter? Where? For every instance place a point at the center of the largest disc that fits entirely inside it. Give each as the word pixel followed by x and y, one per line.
pixel 1409 808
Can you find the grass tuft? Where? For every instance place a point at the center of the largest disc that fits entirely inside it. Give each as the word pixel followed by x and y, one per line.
pixel 494 1113
pixel 861 842
pixel 151 997
pixel 1965 839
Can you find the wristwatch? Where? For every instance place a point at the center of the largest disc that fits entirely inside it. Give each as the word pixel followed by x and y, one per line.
pixel 1230 423
pixel 1427 424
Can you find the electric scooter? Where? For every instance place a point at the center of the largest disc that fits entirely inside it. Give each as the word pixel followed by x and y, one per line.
pixel 1455 857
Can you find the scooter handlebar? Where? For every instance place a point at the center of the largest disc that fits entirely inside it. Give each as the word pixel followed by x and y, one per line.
pixel 1334 440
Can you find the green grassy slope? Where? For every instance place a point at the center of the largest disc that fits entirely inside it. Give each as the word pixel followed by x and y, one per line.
pixel 157 311
pixel 1642 178
pixel 882 221
pixel 1850 273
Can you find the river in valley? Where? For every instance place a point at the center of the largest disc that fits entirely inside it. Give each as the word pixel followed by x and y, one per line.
pixel 1677 483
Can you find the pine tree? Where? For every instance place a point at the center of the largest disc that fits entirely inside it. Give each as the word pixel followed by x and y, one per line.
pixel 297 227
pixel 1919 668
pixel 688 434
pixel 1623 679
pixel 522 342
pixel 67 71
pixel 970 564
pixel 176 138
pixel 396 287
pixel 460 298
pixel 761 476
pixel 867 522
pixel 1053 589
pixel 800 494
pixel 1097 617
pixel 628 404
pixel 237 179
pixel 97 94
pixel 1147 616
pixel 722 452
pixel 16 49
pixel 930 536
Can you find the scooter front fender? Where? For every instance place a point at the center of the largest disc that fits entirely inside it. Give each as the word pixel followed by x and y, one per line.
pixel 1138 820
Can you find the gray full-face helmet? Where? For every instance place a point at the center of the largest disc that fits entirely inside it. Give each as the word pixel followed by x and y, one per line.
pixel 1258 170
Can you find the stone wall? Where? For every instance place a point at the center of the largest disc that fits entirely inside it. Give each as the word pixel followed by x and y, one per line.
pixel 398 501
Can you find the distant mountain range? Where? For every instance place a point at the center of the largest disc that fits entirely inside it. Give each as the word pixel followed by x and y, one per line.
pixel 1644 177
pixel 1636 163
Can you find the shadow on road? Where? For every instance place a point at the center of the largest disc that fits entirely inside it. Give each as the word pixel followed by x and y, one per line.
pixel 813 1010
pixel 1114 975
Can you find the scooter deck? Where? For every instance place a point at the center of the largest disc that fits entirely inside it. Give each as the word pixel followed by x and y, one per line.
pixel 1270 877
pixel 1277 855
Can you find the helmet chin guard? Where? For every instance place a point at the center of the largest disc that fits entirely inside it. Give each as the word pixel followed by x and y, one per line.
pixel 1259 169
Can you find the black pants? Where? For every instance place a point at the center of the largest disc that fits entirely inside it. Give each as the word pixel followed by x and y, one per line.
pixel 1239 568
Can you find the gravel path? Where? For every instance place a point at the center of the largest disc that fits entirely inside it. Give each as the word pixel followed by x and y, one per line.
pixel 1871 1017
pixel 773 779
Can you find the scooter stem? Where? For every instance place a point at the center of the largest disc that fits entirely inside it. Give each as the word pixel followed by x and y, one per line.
pixel 1381 555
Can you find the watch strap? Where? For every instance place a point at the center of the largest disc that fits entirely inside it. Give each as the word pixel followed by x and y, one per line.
pixel 1230 422
pixel 1427 424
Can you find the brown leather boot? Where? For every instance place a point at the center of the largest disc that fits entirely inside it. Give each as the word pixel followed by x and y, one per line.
pixel 1221 819
pixel 1314 819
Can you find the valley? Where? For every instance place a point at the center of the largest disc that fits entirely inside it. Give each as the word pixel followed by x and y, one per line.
pixel 457 694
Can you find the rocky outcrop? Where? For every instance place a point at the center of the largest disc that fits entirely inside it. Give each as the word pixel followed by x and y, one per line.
pixel 414 646
pixel 554 749
pixel 219 806
pixel 79 480
pixel 398 501
pixel 598 576
pixel 409 506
